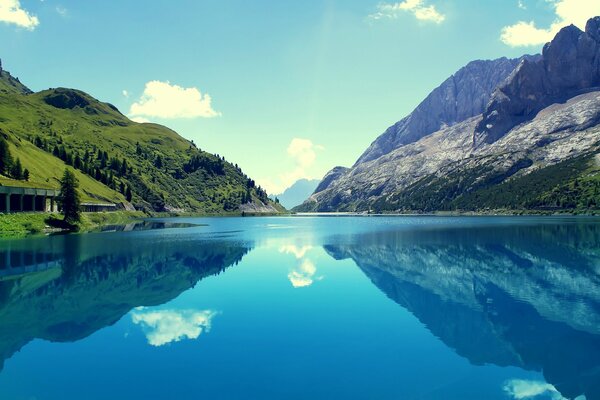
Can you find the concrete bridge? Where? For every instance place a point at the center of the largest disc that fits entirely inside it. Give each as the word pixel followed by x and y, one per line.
pixel 20 199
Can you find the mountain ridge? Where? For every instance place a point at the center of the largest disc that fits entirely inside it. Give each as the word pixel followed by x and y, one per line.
pixel 440 170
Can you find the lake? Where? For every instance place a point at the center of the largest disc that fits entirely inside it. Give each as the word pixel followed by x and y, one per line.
pixel 341 307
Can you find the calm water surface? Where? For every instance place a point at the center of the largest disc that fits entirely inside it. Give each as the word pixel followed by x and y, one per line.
pixel 305 308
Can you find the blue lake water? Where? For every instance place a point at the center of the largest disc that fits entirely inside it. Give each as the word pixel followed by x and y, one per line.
pixel 305 308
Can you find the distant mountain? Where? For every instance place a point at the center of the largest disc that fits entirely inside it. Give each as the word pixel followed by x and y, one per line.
pixel 115 159
pixel 532 146
pixel 297 193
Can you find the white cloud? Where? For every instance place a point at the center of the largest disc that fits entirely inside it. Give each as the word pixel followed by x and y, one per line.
pixel 12 13
pixel 418 8
pixel 526 33
pixel 303 153
pixel 163 100
pixel 140 120
pixel 520 389
pixel 165 326
pixel 125 93
pixel 521 5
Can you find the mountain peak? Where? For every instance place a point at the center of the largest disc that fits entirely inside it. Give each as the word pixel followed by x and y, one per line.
pixel 592 28
pixel 10 83
pixel 463 95
pixel 570 64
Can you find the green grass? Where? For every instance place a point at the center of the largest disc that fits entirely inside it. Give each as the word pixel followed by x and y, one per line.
pixel 91 125
pixel 22 224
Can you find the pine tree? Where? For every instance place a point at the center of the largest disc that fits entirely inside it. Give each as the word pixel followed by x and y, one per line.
pixel 25 174
pixel 158 162
pixel 69 197
pixel 16 171
pixel 5 157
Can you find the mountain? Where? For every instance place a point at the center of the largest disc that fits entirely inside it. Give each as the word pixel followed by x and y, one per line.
pixel 115 159
pixel 532 146
pixel 464 95
pixel 297 193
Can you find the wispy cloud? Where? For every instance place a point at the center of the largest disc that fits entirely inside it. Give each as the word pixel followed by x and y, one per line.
pixel 164 100
pixel 12 13
pixel 62 11
pixel 418 8
pixel 166 326
pixel 527 33
pixel 303 153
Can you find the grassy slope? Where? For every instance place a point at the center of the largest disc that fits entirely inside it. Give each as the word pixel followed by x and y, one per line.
pixel 99 126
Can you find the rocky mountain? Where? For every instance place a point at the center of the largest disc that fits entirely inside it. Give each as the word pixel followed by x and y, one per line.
pixel 463 95
pixel 297 193
pixel 533 146
pixel 115 159
pixel 570 65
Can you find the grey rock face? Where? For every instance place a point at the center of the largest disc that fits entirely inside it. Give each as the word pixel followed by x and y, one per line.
pixel 330 177
pixel 464 95
pixel 558 132
pixel 569 66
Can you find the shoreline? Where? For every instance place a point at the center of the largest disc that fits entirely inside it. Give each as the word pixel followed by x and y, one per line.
pixel 20 225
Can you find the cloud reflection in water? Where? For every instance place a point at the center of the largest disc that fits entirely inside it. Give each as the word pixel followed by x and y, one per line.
pixel 166 326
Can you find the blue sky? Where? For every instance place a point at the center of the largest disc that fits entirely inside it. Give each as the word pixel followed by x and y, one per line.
pixel 286 89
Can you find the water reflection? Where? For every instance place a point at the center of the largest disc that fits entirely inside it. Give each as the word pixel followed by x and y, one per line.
pixel 523 296
pixel 303 274
pixel 83 284
pixel 166 326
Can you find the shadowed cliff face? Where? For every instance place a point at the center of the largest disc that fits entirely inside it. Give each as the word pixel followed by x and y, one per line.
pixel 89 285
pixel 511 296
pixel 569 65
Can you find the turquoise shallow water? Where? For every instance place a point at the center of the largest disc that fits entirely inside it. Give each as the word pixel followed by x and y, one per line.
pixel 306 308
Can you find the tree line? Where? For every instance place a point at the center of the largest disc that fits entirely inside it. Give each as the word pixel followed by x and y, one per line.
pixel 9 166
pixel 96 164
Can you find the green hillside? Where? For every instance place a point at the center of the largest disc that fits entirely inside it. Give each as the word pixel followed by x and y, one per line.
pixel 115 158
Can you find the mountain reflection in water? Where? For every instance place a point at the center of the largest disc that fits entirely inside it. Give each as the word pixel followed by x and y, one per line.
pixel 520 293
pixel 84 284
pixel 524 296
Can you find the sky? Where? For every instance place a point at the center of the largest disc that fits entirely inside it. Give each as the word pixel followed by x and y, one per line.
pixel 285 89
